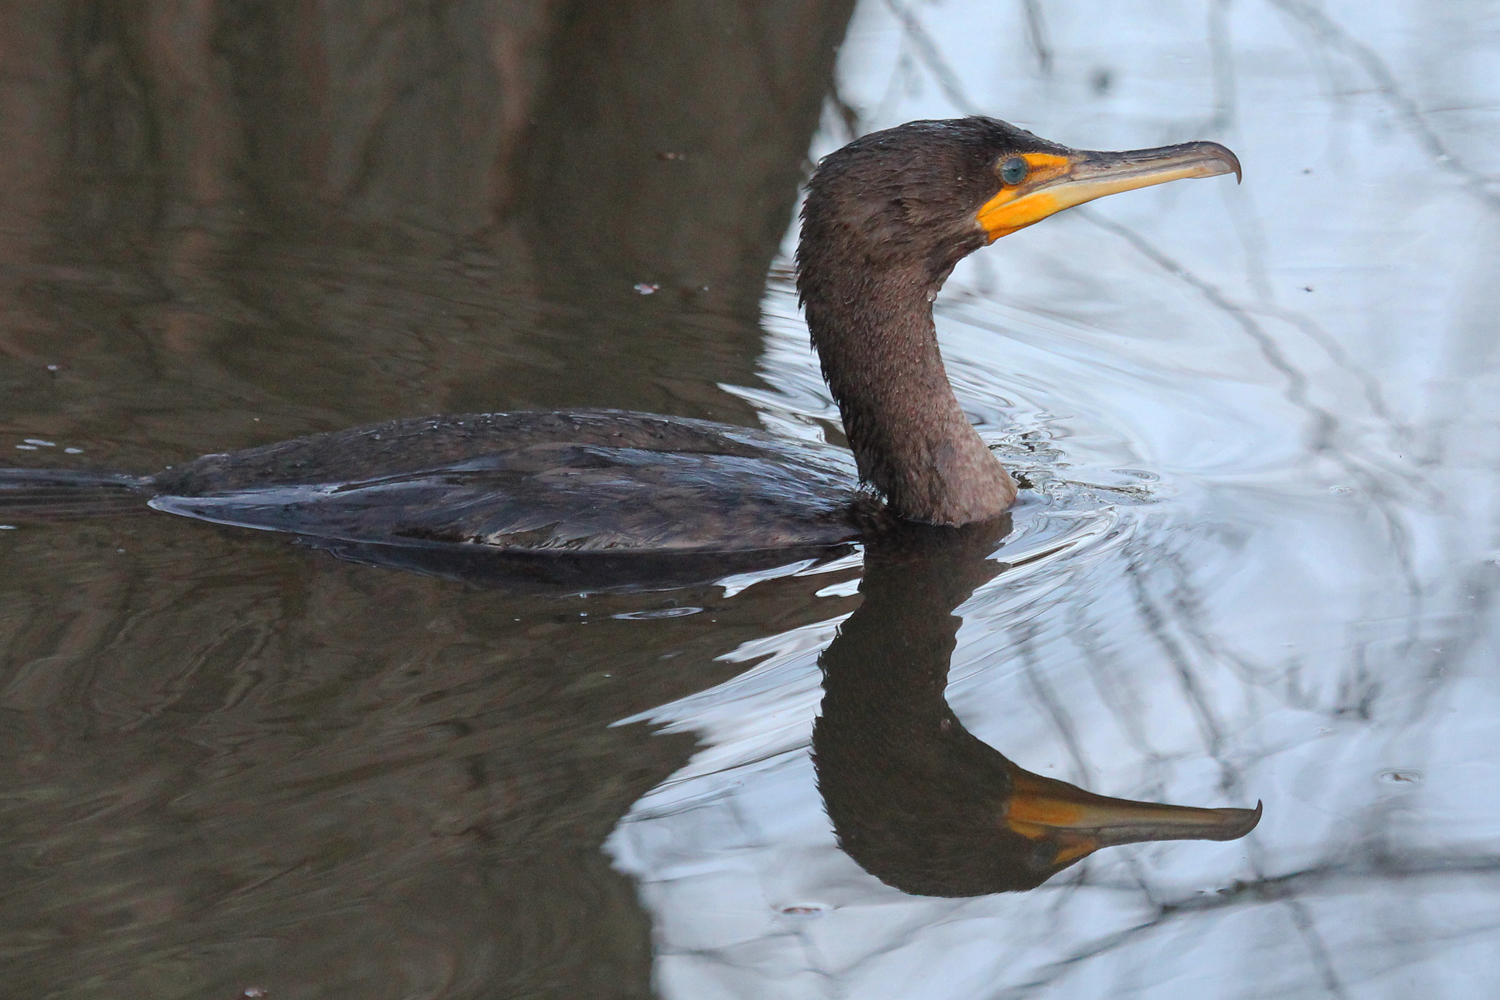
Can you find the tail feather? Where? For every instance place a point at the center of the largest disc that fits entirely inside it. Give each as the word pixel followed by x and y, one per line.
pixel 56 494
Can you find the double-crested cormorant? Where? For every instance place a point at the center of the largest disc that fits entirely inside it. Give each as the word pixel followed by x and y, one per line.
pixel 886 219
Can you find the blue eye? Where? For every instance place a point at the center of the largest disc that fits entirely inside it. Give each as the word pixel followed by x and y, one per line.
pixel 1014 170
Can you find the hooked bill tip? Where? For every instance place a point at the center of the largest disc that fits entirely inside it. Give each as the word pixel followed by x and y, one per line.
pixel 1227 157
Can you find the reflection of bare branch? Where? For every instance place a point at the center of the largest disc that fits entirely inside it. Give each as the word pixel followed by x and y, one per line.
pixel 1350 876
pixel 1313 330
pixel 848 115
pixel 1331 34
pixel 1325 424
pixel 1222 56
pixel 1156 623
pixel 1061 718
pixel 1111 679
pixel 1468 630
pixel 1036 36
pixel 1194 620
pixel 1317 948
pixel 932 58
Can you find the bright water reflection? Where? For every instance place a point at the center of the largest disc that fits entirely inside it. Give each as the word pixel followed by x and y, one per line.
pixel 1297 379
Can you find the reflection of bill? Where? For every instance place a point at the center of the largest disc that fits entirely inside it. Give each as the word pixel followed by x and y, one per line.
pixel 915 799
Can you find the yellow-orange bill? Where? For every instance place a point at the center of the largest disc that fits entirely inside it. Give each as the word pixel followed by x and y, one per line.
pixel 1055 182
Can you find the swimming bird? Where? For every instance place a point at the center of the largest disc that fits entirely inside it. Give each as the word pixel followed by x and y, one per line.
pixel 586 493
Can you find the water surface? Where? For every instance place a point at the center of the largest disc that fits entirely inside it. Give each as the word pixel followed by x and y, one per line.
pixel 1258 562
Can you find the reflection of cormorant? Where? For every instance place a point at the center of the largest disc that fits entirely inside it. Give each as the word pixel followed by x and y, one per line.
pixel 886 219
pixel 915 799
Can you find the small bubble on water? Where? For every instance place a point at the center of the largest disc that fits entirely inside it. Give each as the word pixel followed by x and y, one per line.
pixel 637 616
pixel 7 527
pixel 40 443
pixel 25 447
pixel 73 451
pixel 53 368
pixel 646 288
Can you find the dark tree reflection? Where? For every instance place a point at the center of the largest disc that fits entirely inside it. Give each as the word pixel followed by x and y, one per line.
pixel 224 223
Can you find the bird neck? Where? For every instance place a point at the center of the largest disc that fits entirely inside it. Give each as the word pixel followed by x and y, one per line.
pixel 912 441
